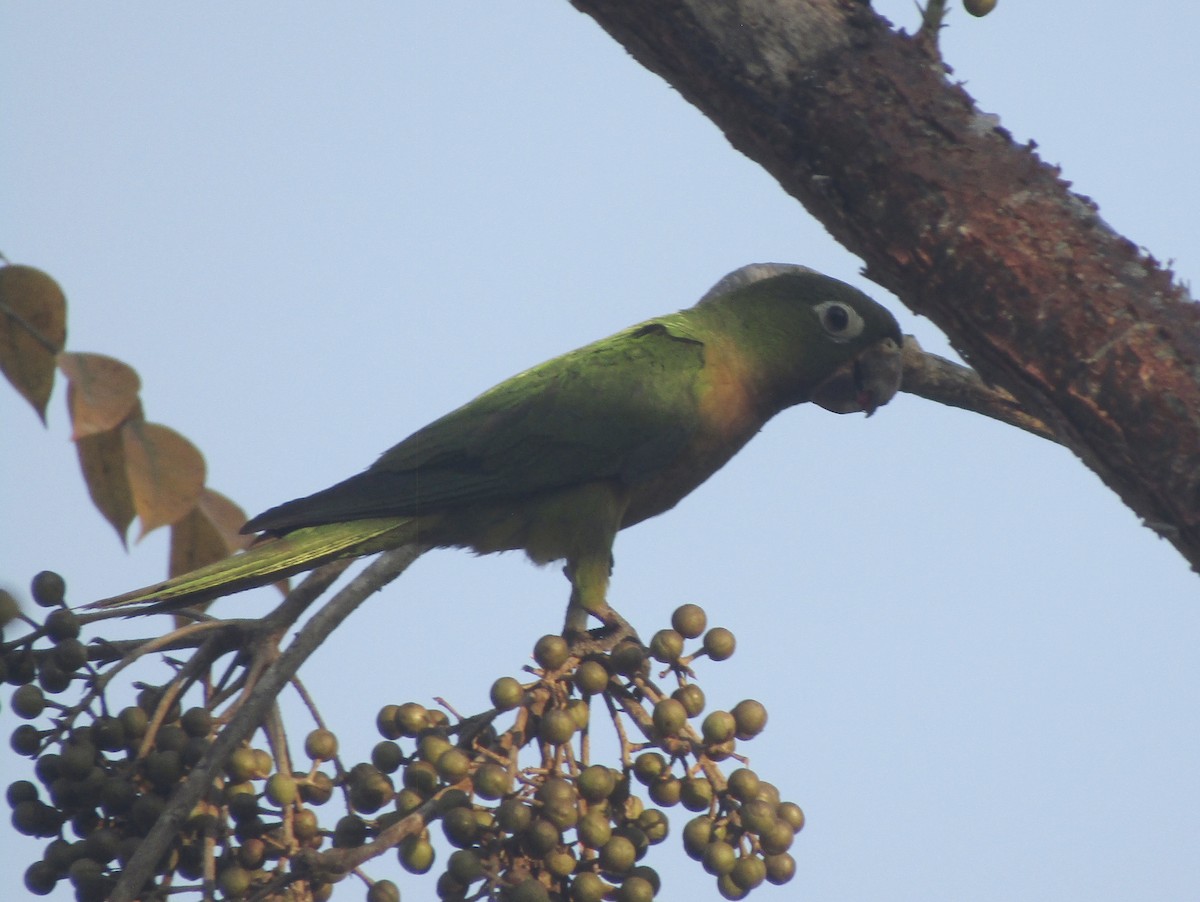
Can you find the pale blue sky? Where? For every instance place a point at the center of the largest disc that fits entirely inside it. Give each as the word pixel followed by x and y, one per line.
pixel 312 229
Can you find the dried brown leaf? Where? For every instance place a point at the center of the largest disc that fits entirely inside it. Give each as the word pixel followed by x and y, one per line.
pixel 33 329
pixel 102 459
pixel 101 391
pixel 207 534
pixel 166 473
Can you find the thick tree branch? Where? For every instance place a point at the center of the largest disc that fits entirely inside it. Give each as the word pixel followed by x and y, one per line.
pixel 861 124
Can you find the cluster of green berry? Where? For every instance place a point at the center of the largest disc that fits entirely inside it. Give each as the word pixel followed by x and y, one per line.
pixel 109 776
pixel 563 827
pixel 529 816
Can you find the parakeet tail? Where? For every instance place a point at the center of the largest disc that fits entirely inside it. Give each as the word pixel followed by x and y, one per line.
pixel 268 561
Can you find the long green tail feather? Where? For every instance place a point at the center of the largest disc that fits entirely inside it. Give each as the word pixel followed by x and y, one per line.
pixel 272 560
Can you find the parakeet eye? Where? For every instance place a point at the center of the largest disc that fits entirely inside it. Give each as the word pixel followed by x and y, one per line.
pixel 840 321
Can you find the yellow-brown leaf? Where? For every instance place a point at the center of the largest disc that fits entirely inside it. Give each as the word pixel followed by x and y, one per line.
pixel 101 391
pixel 33 329
pixel 102 459
pixel 166 473
pixel 207 534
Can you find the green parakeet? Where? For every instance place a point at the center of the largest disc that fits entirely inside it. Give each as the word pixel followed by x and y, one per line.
pixel 557 459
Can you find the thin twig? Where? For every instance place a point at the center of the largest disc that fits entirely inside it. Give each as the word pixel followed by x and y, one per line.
pixel 938 379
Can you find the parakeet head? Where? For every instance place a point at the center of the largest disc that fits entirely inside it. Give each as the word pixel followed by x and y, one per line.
pixel 814 338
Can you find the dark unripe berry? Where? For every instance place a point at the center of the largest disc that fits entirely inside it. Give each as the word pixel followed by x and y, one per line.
pixel 51 677
pixel 594 829
pixel 719 858
pixel 743 784
pixel 460 826
pixel 491 781
pixel 647 873
pixel 691 697
pixel 305 825
pixel 20 667
pixel 48 589
pixel 281 790
pixel 751 718
pixel 28 701
pixel 387 756
pixel 665 791
pixel 411 719
pixel 654 824
pixel 540 837
pixel 453 764
pixel 241 765
pixel 320 745
pixel 757 815
pixel 696 793
pixel 697 834
pixel 618 855
pixel 529 890
pixel 557 726
pixel 416 854
pixel 666 646
pixel 792 814
pixel 670 717
pixel 780 868
pixel 263 763
pixel 514 816
pixel 464 866
pixel 383 891
pixel 432 746
pixel 648 767
pixel 233 880
pixel 588 887
pixel 506 693
pixel 135 722
pixel 580 712
pixel 718 727
pixel 385 722
pixel 421 777
pixel 689 620
pixel 62 624
pixel 21 791
pixel 628 658
pixel 591 677
pixel 163 769
pixel 635 889
pixel 317 789
pixel 350 832
pixel 70 654
pixel 551 652
pixel 749 872
pixel 730 890
pixel 596 783
pixel 197 722
pixel 768 792
pixel 777 838
pixel 979 8
pixel 559 862
pixel 40 878
pixel 35 818
pixel 719 643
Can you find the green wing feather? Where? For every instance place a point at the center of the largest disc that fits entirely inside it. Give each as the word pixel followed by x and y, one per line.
pixel 622 407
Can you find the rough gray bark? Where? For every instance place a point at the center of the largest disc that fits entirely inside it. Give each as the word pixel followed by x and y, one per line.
pixel 863 126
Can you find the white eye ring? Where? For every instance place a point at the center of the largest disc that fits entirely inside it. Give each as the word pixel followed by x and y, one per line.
pixel 840 321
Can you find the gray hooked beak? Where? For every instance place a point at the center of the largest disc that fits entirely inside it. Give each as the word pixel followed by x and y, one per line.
pixel 865 383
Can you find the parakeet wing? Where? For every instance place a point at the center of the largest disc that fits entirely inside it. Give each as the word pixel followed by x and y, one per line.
pixel 622 407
